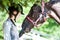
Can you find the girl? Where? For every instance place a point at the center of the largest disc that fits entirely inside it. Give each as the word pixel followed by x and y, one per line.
pixel 9 27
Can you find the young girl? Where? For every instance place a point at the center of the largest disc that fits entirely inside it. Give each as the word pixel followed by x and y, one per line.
pixel 9 27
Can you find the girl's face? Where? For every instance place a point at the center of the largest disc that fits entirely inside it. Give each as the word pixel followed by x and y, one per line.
pixel 18 15
pixel 14 12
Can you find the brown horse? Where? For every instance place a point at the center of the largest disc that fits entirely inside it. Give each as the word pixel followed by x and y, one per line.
pixel 54 9
pixel 34 15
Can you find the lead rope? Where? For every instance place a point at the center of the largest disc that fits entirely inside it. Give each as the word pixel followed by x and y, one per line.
pixel 43 5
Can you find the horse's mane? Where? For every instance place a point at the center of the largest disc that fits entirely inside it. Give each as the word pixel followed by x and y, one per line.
pixel 54 1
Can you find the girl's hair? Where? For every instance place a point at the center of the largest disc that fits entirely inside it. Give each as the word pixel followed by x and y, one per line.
pixel 15 7
pixel 11 9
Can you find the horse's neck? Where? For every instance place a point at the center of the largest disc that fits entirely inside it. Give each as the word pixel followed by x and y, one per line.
pixel 56 7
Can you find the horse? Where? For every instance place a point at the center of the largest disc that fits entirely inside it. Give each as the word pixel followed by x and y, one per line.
pixel 53 7
pixel 33 18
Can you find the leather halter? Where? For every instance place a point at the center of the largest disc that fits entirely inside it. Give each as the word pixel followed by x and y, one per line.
pixel 34 22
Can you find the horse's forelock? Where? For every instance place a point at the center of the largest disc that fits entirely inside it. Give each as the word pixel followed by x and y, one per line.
pixel 36 8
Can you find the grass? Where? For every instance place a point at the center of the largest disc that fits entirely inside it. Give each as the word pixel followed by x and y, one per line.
pixel 51 28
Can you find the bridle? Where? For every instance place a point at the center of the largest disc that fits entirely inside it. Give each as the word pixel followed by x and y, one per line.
pixel 35 22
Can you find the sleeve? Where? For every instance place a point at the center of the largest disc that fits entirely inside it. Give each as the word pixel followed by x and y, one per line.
pixel 6 29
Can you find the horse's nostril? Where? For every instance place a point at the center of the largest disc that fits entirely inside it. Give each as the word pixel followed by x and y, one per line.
pixel 27 30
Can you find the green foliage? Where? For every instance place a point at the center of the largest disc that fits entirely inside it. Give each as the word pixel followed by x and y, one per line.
pixel 51 28
pixel 4 4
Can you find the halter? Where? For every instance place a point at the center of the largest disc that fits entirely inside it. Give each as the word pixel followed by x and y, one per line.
pixel 35 22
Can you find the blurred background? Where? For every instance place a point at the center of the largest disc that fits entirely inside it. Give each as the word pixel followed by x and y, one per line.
pixel 49 29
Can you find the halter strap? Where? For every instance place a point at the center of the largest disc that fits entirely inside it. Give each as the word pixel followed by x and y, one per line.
pixel 42 7
pixel 33 22
pixel 43 4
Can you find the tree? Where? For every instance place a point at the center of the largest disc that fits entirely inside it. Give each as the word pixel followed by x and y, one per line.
pixel 4 4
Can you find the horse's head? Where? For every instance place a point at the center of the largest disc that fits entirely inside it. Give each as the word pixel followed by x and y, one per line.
pixel 36 13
